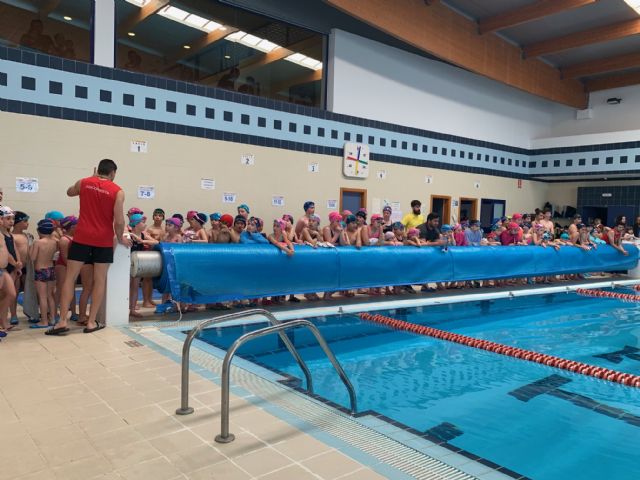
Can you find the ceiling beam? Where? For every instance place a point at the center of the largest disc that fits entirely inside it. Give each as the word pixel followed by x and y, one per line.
pixel 612 81
pixel 129 23
pixel 605 65
pixel 527 13
pixel 311 76
pixel 201 43
pixel 605 33
pixel 251 64
pixel 47 7
pixel 443 33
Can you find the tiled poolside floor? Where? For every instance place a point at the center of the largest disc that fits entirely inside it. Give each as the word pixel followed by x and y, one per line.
pixel 90 406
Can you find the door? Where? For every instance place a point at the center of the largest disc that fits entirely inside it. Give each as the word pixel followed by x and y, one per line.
pixel 614 211
pixel 353 199
pixel 441 205
pixel 490 209
pixel 468 209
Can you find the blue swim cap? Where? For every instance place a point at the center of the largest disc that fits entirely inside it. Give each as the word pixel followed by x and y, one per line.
pixel 54 215
pixel 308 205
pixel 446 228
pixel 397 226
pixel 135 219
pixel 46 226
pixel 215 216
pixel 350 219
pixel 245 207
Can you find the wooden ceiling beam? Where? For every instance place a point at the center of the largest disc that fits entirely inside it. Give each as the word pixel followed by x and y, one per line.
pixel 201 43
pixel 129 23
pixel 605 33
pixel 605 65
pixel 443 33
pixel 613 81
pixel 528 13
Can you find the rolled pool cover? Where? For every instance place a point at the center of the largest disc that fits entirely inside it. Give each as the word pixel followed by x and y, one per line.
pixel 209 273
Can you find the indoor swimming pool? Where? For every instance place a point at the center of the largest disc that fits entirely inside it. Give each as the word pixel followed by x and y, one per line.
pixel 534 421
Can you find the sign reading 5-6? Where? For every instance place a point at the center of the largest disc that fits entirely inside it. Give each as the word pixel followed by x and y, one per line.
pixel 26 185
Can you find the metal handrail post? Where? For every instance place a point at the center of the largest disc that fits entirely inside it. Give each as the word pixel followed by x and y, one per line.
pixel 225 436
pixel 185 409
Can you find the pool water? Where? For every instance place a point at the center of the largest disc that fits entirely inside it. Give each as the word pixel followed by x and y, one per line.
pixel 538 421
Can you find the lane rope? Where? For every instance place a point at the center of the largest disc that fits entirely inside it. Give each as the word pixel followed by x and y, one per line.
pixel 531 356
pixel 625 297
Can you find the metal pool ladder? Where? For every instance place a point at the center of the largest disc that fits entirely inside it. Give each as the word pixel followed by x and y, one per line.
pixel 276 327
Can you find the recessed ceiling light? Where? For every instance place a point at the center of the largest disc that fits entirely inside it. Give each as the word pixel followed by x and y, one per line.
pixel 131 34
pixel 187 47
pixel 67 18
pixel 227 57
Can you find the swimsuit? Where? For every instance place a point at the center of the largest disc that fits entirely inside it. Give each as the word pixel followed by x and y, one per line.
pixel 47 274
pixel 61 260
pixel 11 248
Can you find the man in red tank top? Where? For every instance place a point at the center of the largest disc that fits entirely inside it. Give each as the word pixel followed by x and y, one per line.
pixel 101 218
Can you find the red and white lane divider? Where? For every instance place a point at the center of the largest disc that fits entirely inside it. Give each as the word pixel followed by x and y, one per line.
pixel 625 297
pixel 550 360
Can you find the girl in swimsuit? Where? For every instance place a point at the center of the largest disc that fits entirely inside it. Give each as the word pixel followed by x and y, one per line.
pixel 280 239
pixel 375 231
pixel 68 225
pixel 289 230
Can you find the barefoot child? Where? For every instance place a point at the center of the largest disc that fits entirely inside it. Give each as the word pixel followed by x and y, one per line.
pixel 13 269
pixel 42 251
pixel 23 240
pixel 141 241
pixel 68 225
pixel 156 231
pixel 6 291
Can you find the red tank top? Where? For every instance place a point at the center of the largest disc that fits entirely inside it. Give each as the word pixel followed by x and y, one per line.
pixel 95 223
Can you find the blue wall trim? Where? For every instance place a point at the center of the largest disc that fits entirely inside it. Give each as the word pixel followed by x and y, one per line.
pixel 37 84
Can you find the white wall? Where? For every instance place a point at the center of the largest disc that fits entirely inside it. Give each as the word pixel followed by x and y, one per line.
pixel 610 123
pixel 372 80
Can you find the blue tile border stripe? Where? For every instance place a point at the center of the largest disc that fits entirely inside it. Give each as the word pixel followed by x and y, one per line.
pixel 38 84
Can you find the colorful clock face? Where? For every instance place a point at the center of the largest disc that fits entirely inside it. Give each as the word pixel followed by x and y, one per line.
pixel 356 160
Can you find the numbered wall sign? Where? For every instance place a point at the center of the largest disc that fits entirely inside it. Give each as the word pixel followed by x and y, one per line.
pixel 146 192
pixel 26 185
pixel 476 185
pixel 428 179
pixel 277 201
pixel 247 159
pixel 229 198
pixel 313 167
pixel 139 146
pixel 207 184
pixel 332 204
pixel 381 174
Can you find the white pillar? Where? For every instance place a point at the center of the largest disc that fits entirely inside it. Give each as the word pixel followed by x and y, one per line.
pixel 116 300
pixel 104 32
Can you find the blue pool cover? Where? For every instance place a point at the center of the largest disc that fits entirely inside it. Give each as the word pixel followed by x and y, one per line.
pixel 209 273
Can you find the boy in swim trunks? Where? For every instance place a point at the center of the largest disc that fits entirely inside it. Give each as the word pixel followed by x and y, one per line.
pixel 214 219
pixel 42 251
pixel 224 235
pixel 156 231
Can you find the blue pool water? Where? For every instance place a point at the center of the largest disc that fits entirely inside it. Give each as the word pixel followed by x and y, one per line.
pixel 538 421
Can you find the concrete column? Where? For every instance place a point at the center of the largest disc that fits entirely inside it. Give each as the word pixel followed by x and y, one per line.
pixel 104 33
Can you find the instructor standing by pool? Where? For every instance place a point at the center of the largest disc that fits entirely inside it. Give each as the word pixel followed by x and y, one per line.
pixel 101 214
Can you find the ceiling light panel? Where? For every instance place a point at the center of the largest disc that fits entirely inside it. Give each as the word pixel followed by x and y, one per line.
pixel 138 3
pixel 189 19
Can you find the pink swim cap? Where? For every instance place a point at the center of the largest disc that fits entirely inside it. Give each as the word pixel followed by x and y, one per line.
pixel 335 216
pixel 191 214
pixel 376 216
pixel 413 232
pixel 280 223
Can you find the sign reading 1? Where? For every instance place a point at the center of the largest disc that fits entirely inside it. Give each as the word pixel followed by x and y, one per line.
pixel 356 160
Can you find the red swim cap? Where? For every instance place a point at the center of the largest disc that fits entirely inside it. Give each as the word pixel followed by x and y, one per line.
pixel 227 220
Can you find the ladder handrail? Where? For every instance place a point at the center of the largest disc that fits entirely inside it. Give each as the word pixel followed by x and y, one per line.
pixel 185 409
pixel 225 436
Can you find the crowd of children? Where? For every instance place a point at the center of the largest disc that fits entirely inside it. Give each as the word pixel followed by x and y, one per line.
pixel 36 266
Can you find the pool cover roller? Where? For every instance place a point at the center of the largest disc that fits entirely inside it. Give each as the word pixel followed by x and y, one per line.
pixel 209 273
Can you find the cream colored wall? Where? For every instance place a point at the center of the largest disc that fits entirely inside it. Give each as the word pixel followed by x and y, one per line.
pixel 59 152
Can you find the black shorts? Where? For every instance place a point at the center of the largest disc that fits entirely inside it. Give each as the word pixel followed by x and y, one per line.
pixel 89 254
